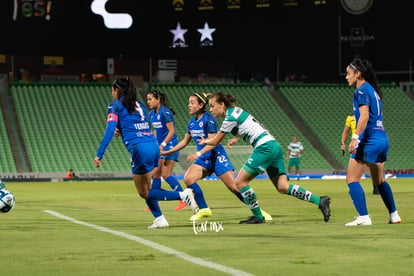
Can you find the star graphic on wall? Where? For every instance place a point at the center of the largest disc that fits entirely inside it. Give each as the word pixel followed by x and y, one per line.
pixel 206 32
pixel 178 33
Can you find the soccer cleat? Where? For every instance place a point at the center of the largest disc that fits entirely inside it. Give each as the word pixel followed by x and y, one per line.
pixel 202 213
pixel 324 207
pixel 394 218
pixel 266 215
pixel 253 220
pixel 187 197
pixel 360 221
pixel 181 205
pixel 159 222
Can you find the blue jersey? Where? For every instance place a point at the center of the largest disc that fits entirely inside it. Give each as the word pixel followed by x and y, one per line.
pixel 159 122
pixel 201 128
pixel 134 127
pixel 366 95
pixel 215 160
pixel 373 145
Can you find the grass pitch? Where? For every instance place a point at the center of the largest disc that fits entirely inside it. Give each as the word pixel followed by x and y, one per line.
pixel 106 233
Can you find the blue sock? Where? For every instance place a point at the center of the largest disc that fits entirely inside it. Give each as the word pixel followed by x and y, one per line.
pixel 160 194
pixel 387 196
pixel 198 196
pixel 174 184
pixel 154 207
pixel 156 183
pixel 358 198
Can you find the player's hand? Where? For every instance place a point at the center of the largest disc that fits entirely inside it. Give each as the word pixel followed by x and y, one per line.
pixel 117 132
pixel 353 146
pixel 192 157
pixel 97 162
pixel 164 152
pixel 232 142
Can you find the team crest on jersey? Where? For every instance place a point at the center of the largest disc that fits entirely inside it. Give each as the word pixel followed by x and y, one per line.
pixel 158 116
pixel 200 124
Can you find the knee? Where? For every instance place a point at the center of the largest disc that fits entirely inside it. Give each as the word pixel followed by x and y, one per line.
pixel 189 180
pixel 143 194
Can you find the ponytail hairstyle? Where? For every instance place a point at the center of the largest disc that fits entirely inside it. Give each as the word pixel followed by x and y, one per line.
pixel 367 73
pixel 202 98
pixel 228 100
pixel 162 97
pixel 127 93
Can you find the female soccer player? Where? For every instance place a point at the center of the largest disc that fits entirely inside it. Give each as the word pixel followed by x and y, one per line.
pixel 267 156
pixel 130 118
pixel 162 120
pixel 208 159
pixel 369 144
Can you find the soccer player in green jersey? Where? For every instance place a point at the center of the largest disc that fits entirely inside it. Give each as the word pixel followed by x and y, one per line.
pixel 267 156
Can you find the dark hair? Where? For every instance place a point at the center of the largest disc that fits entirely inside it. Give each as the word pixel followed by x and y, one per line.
pixel 228 100
pixel 163 98
pixel 367 72
pixel 202 98
pixel 127 93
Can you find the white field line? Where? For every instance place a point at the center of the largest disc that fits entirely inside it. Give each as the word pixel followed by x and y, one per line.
pixel 154 245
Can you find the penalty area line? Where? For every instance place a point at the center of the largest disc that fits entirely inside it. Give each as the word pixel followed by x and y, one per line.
pixel 153 245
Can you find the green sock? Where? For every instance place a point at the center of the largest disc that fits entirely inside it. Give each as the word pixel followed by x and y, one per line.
pixel 303 194
pixel 250 199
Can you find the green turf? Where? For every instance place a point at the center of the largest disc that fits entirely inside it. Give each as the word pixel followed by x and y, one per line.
pixel 297 242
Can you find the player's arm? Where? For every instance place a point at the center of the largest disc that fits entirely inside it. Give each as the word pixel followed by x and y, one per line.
pixel 206 149
pixel 171 132
pixel 107 137
pixel 362 124
pixel 344 137
pixel 213 141
pixel 232 141
pixel 182 144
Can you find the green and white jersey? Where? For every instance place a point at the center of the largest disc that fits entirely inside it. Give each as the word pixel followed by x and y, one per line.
pixel 295 149
pixel 240 123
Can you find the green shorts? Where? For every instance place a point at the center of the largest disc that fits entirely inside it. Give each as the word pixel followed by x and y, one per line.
pixel 294 162
pixel 267 157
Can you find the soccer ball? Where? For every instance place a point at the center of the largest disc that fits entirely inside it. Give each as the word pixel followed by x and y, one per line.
pixel 7 201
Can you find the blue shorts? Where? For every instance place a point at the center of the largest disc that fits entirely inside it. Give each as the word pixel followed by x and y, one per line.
pixel 144 157
pixel 173 156
pixel 218 162
pixel 374 150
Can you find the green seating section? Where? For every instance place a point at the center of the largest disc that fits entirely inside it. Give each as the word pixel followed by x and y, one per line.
pixel 399 123
pixel 62 127
pixel 7 164
pixel 324 108
pixel 62 124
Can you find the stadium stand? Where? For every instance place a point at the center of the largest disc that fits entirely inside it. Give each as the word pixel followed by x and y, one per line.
pixel 62 123
pixel 324 107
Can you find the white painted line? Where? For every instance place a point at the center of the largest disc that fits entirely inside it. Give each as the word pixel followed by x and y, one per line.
pixel 154 245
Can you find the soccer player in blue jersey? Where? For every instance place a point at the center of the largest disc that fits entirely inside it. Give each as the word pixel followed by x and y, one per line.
pixel 207 159
pixel 162 120
pixel 369 144
pixel 267 156
pixel 130 119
